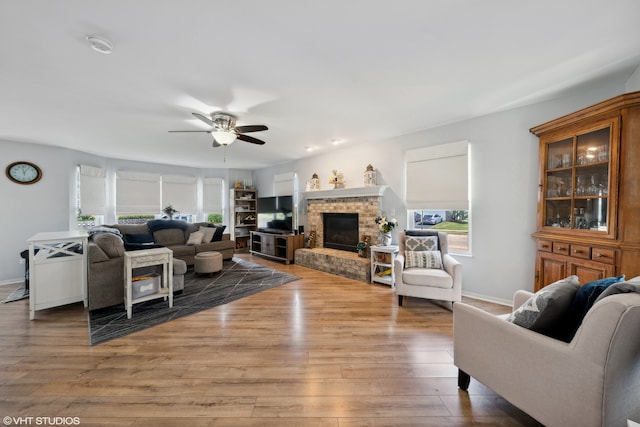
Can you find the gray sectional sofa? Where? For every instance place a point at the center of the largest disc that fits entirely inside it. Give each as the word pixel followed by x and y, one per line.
pixel 105 280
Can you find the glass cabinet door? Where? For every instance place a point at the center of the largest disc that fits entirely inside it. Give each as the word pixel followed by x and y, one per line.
pixel 577 183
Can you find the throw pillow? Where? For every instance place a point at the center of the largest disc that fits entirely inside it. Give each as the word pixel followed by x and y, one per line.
pixel 208 233
pixel 583 300
pixel 631 285
pixel 421 243
pixel 423 259
pixel 546 307
pixel 195 238
pixel 138 238
pixel 218 234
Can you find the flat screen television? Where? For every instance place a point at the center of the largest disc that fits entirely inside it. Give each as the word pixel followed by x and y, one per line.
pixel 275 214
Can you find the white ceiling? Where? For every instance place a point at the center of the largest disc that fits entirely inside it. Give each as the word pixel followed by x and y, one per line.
pixel 313 71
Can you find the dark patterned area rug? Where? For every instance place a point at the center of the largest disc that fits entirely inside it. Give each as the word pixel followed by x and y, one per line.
pixel 237 279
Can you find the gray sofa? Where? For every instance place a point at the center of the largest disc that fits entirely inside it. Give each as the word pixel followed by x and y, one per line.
pixel 592 381
pixel 105 278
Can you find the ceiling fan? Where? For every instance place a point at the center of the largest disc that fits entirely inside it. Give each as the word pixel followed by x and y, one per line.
pixel 224 129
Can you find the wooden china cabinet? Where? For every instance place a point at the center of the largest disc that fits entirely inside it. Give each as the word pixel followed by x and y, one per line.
pixel 589 200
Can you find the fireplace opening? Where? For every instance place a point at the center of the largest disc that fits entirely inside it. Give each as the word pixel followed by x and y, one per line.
pixel 340 231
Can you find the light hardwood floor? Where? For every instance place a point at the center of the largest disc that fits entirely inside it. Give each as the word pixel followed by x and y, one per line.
pixel 321 351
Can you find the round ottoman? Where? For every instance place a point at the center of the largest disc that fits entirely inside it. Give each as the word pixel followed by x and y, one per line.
pixel 208 262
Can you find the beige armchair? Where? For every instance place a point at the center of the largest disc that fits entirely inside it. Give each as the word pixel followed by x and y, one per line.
pixel 443 284
pixel 592 381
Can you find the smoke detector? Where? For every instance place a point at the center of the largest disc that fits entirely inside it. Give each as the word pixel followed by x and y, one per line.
pixel 100 44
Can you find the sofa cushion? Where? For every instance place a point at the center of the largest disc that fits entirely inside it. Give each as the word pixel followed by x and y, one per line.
pixel 427 277
pixel 423 259
pixel 426 243
pixel 183 251
pixel 208 233
pixel 543 311
pixel 111 244
pixel 169 237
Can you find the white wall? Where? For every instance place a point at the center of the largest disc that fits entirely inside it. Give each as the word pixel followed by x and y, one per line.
pixel 504 184
pixel 633 84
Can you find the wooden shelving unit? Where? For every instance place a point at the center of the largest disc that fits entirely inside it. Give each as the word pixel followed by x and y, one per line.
pixel 243 206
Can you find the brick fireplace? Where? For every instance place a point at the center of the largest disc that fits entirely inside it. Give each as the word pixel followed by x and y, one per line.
pixel 366 202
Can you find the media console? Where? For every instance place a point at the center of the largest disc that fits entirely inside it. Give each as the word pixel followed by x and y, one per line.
pixel 277 246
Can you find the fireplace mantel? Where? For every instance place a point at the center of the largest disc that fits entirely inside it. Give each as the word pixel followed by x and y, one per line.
pixel 376 190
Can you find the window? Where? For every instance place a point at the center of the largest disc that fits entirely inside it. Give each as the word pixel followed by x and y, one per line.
pixel 137 195
pixel 181 192
pixel 91 196
pixel 212 199
pixel 437 191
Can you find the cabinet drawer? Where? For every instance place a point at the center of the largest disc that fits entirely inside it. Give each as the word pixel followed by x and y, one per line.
pixel 545 245
pixel 560 248
pixel 607 256
pixel 580 251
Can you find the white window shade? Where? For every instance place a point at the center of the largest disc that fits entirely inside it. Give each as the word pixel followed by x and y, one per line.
pixel 212 195
pixel 93 186
pixel 284 184
pixel 137 193
pixel 437 177
pixel 181 192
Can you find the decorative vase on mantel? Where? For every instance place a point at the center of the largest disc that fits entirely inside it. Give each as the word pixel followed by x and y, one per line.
pixel 386 239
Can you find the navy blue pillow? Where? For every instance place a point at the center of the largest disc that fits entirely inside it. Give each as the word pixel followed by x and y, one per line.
pixel 582 302
pixel 139 238
pixel 217 236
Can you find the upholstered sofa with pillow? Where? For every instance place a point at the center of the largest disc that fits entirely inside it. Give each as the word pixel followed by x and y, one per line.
pixel 107 244
pixel 175 235
pixel 592 380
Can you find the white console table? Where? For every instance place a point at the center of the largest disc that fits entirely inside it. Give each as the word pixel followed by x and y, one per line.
pixel 145 258
pixel 57 269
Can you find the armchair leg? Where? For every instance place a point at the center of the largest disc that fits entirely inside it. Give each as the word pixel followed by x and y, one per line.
pixel 463 380
pixel 400 300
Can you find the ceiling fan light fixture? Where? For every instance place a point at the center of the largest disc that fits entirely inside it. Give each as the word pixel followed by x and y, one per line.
pixel 224 137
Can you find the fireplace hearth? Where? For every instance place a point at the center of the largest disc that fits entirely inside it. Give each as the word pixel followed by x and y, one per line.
pixel 365 203
pixel 340 231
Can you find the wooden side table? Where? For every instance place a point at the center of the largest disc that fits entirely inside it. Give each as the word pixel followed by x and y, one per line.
pixel 382 270
pixel 145 258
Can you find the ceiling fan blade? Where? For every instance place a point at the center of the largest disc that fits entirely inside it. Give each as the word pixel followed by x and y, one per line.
pixel 251 128
pixel 205 119
pixel 207 131
pixel 250 139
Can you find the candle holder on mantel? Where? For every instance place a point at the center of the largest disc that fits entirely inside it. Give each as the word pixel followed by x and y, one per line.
pixel 314 183
pixel 369 176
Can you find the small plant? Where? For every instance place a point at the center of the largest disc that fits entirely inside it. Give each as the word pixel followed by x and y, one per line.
pixel 169 211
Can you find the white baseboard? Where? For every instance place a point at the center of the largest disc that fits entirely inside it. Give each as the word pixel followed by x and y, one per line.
pixel 11 282
pixel 481 297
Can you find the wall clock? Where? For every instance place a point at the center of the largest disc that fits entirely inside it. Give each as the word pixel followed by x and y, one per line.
pixel 23 172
